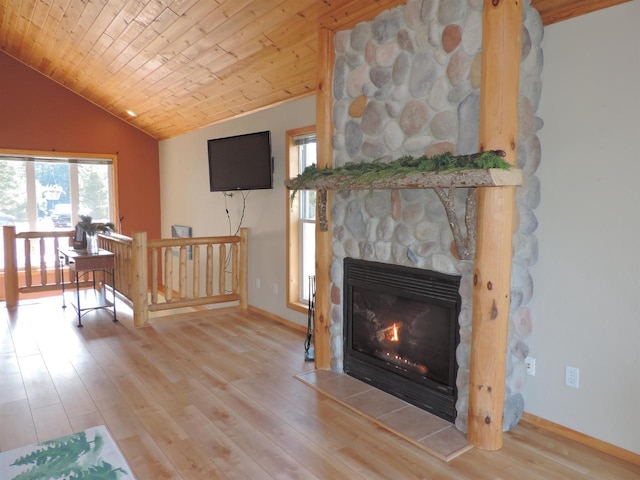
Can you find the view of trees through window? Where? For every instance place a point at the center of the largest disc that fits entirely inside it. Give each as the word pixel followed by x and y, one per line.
pixel 45 194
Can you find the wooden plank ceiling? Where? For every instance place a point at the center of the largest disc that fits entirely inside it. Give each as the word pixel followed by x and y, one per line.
pixel 183 64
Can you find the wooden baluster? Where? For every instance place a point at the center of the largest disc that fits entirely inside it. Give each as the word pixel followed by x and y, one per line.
pixel 139 277
pixel 182 273
pixel 168 274
pixel 244 287
pixel 43 263
pixel 209 286
pixel 234 268
pixel 222 283
pixel 196 271
pixel 154 275
pixel 27 262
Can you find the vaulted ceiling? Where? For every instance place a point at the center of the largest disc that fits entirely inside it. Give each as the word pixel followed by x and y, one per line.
pixel 183 64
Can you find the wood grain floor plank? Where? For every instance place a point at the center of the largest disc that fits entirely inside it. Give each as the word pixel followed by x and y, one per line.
pixel 212 394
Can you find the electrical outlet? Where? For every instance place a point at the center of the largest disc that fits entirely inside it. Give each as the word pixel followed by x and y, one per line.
pixel 530 362
pixel 572 376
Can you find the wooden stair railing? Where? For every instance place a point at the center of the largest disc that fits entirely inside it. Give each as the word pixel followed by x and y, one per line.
pixel 225 269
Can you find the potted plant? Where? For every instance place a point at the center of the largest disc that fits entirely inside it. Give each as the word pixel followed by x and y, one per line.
pixel 92 229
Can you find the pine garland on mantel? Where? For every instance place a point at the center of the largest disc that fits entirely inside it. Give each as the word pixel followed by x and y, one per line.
pixel 406 172
pixel 366 174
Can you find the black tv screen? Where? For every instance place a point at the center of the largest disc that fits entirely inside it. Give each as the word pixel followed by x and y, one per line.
pixel 241 162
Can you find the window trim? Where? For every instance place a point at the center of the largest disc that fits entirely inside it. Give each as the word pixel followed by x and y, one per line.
pixel 294 301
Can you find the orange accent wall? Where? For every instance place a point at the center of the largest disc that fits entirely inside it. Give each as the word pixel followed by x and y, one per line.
pixel 37 113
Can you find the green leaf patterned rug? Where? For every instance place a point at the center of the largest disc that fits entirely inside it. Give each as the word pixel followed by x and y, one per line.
pixel 91 454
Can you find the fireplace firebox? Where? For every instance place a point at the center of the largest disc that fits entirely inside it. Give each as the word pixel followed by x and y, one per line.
pixel 401 332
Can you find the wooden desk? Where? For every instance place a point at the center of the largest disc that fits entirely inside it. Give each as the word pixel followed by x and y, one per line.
pixel 82 264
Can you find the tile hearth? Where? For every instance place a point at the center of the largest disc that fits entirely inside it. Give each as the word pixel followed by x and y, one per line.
pixel 435 435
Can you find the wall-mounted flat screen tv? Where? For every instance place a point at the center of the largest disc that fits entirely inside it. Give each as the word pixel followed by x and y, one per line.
pixel 241 162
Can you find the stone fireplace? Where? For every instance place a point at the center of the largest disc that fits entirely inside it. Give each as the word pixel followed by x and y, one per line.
pixel 408 83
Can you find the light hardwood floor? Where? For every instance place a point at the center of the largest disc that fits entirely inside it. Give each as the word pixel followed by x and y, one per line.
pixel 213 396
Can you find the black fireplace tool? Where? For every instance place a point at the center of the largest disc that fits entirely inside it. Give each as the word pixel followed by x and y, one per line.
pixel 309 353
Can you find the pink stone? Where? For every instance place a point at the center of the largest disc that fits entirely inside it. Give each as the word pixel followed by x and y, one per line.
pixel 451 37
pixel 396 205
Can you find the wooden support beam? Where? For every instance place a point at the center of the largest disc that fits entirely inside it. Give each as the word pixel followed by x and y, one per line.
pixel 501 44
pixel 324 132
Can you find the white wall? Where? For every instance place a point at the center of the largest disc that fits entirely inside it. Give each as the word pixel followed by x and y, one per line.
pixel 186 199
pixel 586 306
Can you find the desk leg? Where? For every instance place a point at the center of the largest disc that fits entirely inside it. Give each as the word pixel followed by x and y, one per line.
pixel 78 300
pixel 113 288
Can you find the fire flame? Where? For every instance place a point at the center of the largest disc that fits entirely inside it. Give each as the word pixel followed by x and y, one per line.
pixel 394 337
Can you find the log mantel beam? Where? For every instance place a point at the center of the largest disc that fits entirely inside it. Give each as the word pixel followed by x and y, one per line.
pixel 499 92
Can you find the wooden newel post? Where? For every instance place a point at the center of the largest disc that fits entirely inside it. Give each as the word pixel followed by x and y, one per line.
pixel 244 265
pixel 139 279
pixel 10 266
pixel 501 44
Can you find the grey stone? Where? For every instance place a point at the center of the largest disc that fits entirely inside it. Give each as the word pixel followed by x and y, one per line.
pixel 513 409
pixel 411 194
pixel 412 213
pixel 438 95
pixel 386 55
pixel 426 249
pixel 393 136
pixel 341 40
pixel 338 141
pixel 444 125
pixel 341 113
pixel 336 271
pixel 337 248
pixel 468 118
pixel 533 24
pixel 378 203
pixel 426 231
pixel 519 349
pixel 531 87
pixel 526 44
pixel 534 155
pixel 405 41
pixel 356 80
pixel 528 220
pixel 532 65
pixel 385 93
pixel 340 72
pixel 423 74
pixel 422 37
pixel 401 93
pixel 385 229
pixel 522 282
pixel 374 118
pixel 387 25
pixel 360 35
pixel 339 232
pixel 413 258
pixel 472 33
pixel 529 192
pixel 463 355
pixel 352 248
pixel 401 68
pixel 354 220
pixel 443 263
pixel 414 117
pixel 383 251
pixel 451 11
pixel 399 254
pixel 380 76
pixel 368 251
pixel 373 148
pixel 459 67
pixel 353 138
pixel 416 145
pixel 458 93
pixel 526 248
pixel 393 108
pixel 404 235
pixel 522 323
pixel 338 212
pixel 353 59
pixel 369 90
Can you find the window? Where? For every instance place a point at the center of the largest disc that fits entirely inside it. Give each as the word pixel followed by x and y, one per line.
pixel 40 191
pixel 301 220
